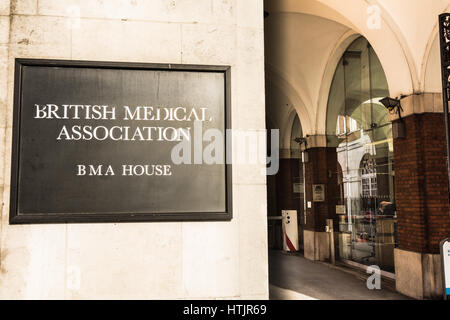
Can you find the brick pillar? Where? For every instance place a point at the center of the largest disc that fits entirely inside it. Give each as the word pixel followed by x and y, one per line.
pixel 321 169
pixel 421 189
pixel 421 184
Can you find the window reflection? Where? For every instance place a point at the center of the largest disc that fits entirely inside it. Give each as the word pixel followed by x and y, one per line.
pixel 367 232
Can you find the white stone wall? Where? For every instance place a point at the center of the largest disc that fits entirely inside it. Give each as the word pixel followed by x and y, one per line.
pixel 139 260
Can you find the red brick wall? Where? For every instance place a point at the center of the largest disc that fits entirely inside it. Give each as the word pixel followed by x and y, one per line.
pixel 321 169
pixel 285 178
pixel 421 184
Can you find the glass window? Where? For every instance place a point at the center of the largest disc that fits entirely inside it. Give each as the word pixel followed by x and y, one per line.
pixel 358 120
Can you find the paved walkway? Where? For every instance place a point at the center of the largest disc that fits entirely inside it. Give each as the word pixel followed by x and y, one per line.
pixel 293 277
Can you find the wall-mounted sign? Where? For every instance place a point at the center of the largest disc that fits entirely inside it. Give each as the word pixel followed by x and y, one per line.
pixel 340 209
pixel 111 142
pixel 318 192
pixel 297 188
pixel 445 255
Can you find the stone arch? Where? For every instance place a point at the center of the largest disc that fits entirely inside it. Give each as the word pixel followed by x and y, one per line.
pixel 351 104
pixel 330 69
pixel 290 128
pixel 298 104
pixel 388 43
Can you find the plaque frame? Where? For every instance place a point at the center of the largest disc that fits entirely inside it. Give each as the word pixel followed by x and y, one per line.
pixel 92 217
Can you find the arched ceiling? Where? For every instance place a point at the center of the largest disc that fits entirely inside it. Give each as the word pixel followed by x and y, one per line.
pixel 416 22
pixel 304 41
pixel 298 59
pixel 281 116
pixel 432 69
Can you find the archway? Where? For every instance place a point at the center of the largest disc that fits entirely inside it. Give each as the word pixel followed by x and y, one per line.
pixel 365 154
pixel 285 190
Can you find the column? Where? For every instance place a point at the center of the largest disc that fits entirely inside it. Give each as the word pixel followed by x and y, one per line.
pixel 422 196
pixel 321 169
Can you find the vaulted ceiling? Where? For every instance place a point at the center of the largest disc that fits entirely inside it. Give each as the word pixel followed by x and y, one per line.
pixel 306 38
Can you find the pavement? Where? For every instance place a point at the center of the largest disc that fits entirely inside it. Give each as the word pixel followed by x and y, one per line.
pixel 292 277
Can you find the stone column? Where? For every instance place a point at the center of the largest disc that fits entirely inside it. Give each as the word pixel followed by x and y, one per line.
pixel 421 196
pixel 321 168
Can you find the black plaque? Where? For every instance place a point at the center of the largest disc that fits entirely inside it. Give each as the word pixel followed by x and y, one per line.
pixel 48 181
